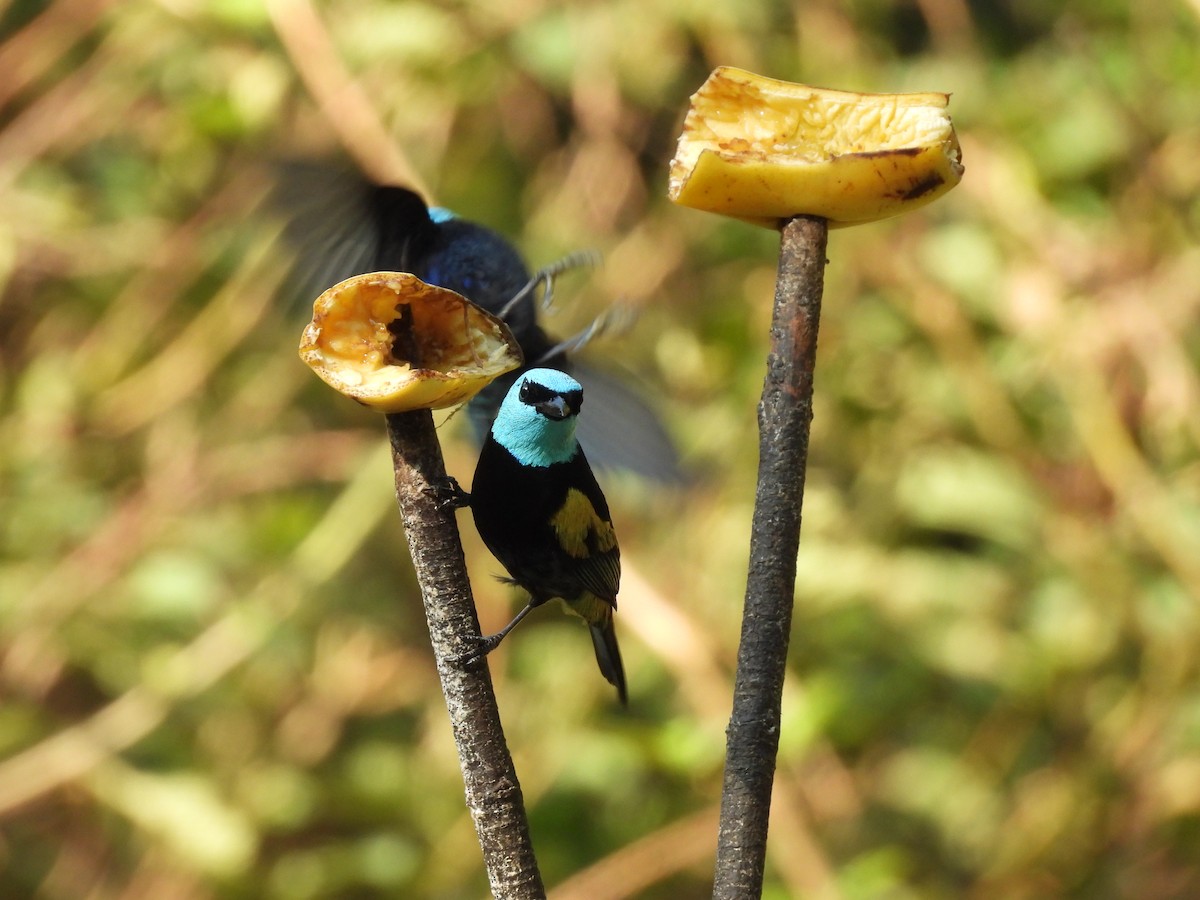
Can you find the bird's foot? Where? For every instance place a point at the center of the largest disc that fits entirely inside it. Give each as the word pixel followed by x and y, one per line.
pixel 448 494
pixel 487 643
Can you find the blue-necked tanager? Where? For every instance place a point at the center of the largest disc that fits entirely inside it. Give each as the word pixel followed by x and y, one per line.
pixel 542 514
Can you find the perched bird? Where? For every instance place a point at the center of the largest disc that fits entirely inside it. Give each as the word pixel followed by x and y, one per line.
pixel 539 510
pixel 341 224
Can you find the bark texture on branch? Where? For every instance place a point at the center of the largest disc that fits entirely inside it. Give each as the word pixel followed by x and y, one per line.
pixel 493 793
pixel 784 415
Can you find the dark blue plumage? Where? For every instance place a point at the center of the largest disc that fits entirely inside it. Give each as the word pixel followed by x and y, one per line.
pixel 470 259
pixel 343 225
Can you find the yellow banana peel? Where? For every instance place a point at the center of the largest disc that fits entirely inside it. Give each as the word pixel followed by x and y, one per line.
pixel 394 343
pixel 765 150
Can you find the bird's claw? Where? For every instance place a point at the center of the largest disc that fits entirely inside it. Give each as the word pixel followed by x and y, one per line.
pixel 448 494
pixel 487 643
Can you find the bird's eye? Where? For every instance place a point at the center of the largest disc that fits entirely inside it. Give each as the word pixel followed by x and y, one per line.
pixel 532 392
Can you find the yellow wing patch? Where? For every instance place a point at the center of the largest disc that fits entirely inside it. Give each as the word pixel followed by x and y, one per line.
pixel 590 608
pixel 579 528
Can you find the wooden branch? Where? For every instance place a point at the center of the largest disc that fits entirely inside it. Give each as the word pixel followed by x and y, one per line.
pixel 493 793
pixel 784 414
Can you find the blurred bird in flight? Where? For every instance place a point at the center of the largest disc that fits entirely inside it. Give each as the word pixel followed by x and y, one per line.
pixel 341 224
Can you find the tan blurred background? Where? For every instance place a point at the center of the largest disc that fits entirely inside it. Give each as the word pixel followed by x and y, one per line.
pixel 215 679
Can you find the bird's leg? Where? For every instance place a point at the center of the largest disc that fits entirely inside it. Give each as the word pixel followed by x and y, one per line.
pixel 489 642
pixel 576 260
pixel 448 494
pixel 617 317
pixel 520 295
pixel 547 274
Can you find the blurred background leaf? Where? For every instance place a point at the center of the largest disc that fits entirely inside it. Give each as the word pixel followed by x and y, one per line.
pixel 214 674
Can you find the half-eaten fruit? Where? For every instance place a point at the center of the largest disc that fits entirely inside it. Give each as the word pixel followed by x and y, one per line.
pixel 765 150
pixel 394 343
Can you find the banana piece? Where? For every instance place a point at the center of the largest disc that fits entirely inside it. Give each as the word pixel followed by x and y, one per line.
pixel 394 343
pixel 764 150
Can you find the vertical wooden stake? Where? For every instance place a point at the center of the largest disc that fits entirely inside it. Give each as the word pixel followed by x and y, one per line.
pixel 784 414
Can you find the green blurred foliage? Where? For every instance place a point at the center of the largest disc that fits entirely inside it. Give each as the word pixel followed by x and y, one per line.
pixel 214 672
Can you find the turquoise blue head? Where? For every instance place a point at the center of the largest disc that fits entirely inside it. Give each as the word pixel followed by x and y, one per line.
pixel 536 422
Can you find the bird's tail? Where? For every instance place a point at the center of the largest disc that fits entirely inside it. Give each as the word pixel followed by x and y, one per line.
pixel 608 655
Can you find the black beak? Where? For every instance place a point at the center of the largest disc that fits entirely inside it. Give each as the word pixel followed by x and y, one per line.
pixel 555 408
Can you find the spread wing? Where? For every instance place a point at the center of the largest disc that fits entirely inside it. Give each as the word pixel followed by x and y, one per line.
pixel 338 224
pixel 620 430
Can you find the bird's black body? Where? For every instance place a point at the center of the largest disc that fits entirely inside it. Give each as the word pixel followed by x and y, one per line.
pixel 513 506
